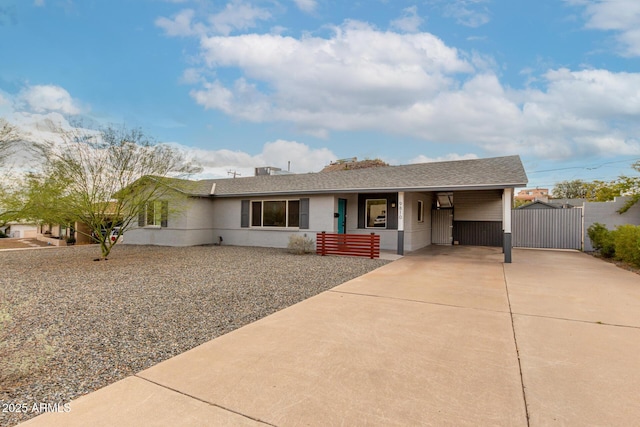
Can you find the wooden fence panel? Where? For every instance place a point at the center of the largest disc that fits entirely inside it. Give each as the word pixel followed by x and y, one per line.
pixel 366 245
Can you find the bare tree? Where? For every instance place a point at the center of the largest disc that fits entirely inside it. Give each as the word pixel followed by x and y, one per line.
pixel 9 136
pixel 103 179
pixel 576 189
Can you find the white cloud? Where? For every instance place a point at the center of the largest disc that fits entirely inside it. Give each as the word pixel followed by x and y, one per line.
pixel 409 22
pixel 41 124
pixel 44 98
pixel 363 78
pixel 593 94
pixel 34 127
pixel 243 100
pixel 38 3
pixel 299 157
pixel 308 6
pixel 470 13
pixel 446 158
pixel 181 24
pixel 191 76
pixel 620 16
pixel 338 83
pixel 236 15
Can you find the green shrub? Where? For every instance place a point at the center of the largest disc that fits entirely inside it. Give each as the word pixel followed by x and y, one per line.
pixel 602 239
pixel 627 244
pixel 2 235
pixel 300 244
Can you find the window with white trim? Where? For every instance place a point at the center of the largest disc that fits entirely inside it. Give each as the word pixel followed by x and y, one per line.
pixel 275 213
pixel 154 214
pixel 420 211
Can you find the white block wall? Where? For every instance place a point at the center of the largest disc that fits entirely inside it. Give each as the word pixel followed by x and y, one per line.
pixel 606 213
pixel 189 224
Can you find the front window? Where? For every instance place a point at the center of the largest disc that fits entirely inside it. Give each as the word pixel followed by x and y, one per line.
pixel 376 213
pixel 154 214
pixel 420 211
pixel 275 213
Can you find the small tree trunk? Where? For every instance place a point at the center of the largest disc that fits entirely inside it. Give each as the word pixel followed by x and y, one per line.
pixel 105 248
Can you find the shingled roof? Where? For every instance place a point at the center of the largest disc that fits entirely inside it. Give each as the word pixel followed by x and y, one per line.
pixel 475 174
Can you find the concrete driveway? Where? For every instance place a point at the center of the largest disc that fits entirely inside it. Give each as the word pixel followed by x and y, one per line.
pixel 445 336
pixel 15 243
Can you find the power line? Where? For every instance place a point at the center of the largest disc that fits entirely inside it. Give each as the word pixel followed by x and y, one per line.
pixel 587 167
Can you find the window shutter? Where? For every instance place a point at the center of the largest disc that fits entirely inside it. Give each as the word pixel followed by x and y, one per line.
pixel 244 213
pixel 304 214
pixel 164 214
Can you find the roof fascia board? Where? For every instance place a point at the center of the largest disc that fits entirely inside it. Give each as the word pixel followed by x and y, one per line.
pixel 375 190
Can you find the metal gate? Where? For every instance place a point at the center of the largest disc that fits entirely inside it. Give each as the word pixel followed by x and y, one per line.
pixel 547 228
pixel 442 226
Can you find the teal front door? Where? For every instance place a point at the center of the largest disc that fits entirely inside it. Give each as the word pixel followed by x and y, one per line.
pixel 342 216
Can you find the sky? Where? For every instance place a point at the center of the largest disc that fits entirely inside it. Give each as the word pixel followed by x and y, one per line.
pixel 296 84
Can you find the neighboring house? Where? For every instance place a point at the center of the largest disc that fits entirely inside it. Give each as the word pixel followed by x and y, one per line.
pixel 568 203
pixel 539 205
pixel 554 204
pixel 19 230
pixel 79 232
pixel 533 194
pixel 409 206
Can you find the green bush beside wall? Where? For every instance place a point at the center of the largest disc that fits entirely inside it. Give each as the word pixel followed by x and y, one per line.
pixel 627 244
pixel 623 243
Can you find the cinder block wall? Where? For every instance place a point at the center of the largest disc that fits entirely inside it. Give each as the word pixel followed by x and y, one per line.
pixel 606 213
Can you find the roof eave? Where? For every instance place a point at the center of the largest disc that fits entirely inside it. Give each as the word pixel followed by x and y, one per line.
pixel 377 190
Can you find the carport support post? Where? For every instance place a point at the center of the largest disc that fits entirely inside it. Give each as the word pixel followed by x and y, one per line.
pixel 507 195
pixel 401 223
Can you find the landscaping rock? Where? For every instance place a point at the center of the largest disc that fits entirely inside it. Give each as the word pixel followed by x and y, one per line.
pixel 105 321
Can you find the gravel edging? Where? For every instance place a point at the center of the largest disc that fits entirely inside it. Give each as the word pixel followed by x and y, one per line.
pixel 110 319
pixel 620 264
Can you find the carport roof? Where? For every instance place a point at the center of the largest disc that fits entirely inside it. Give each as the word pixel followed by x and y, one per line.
pixel 475 174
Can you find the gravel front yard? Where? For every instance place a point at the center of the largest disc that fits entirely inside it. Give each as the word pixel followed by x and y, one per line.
pixel 89 324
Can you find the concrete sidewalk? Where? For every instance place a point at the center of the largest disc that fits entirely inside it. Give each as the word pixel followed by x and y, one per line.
pixel 446 336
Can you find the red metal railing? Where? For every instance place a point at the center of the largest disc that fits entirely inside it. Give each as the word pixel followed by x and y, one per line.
pixel 348 244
